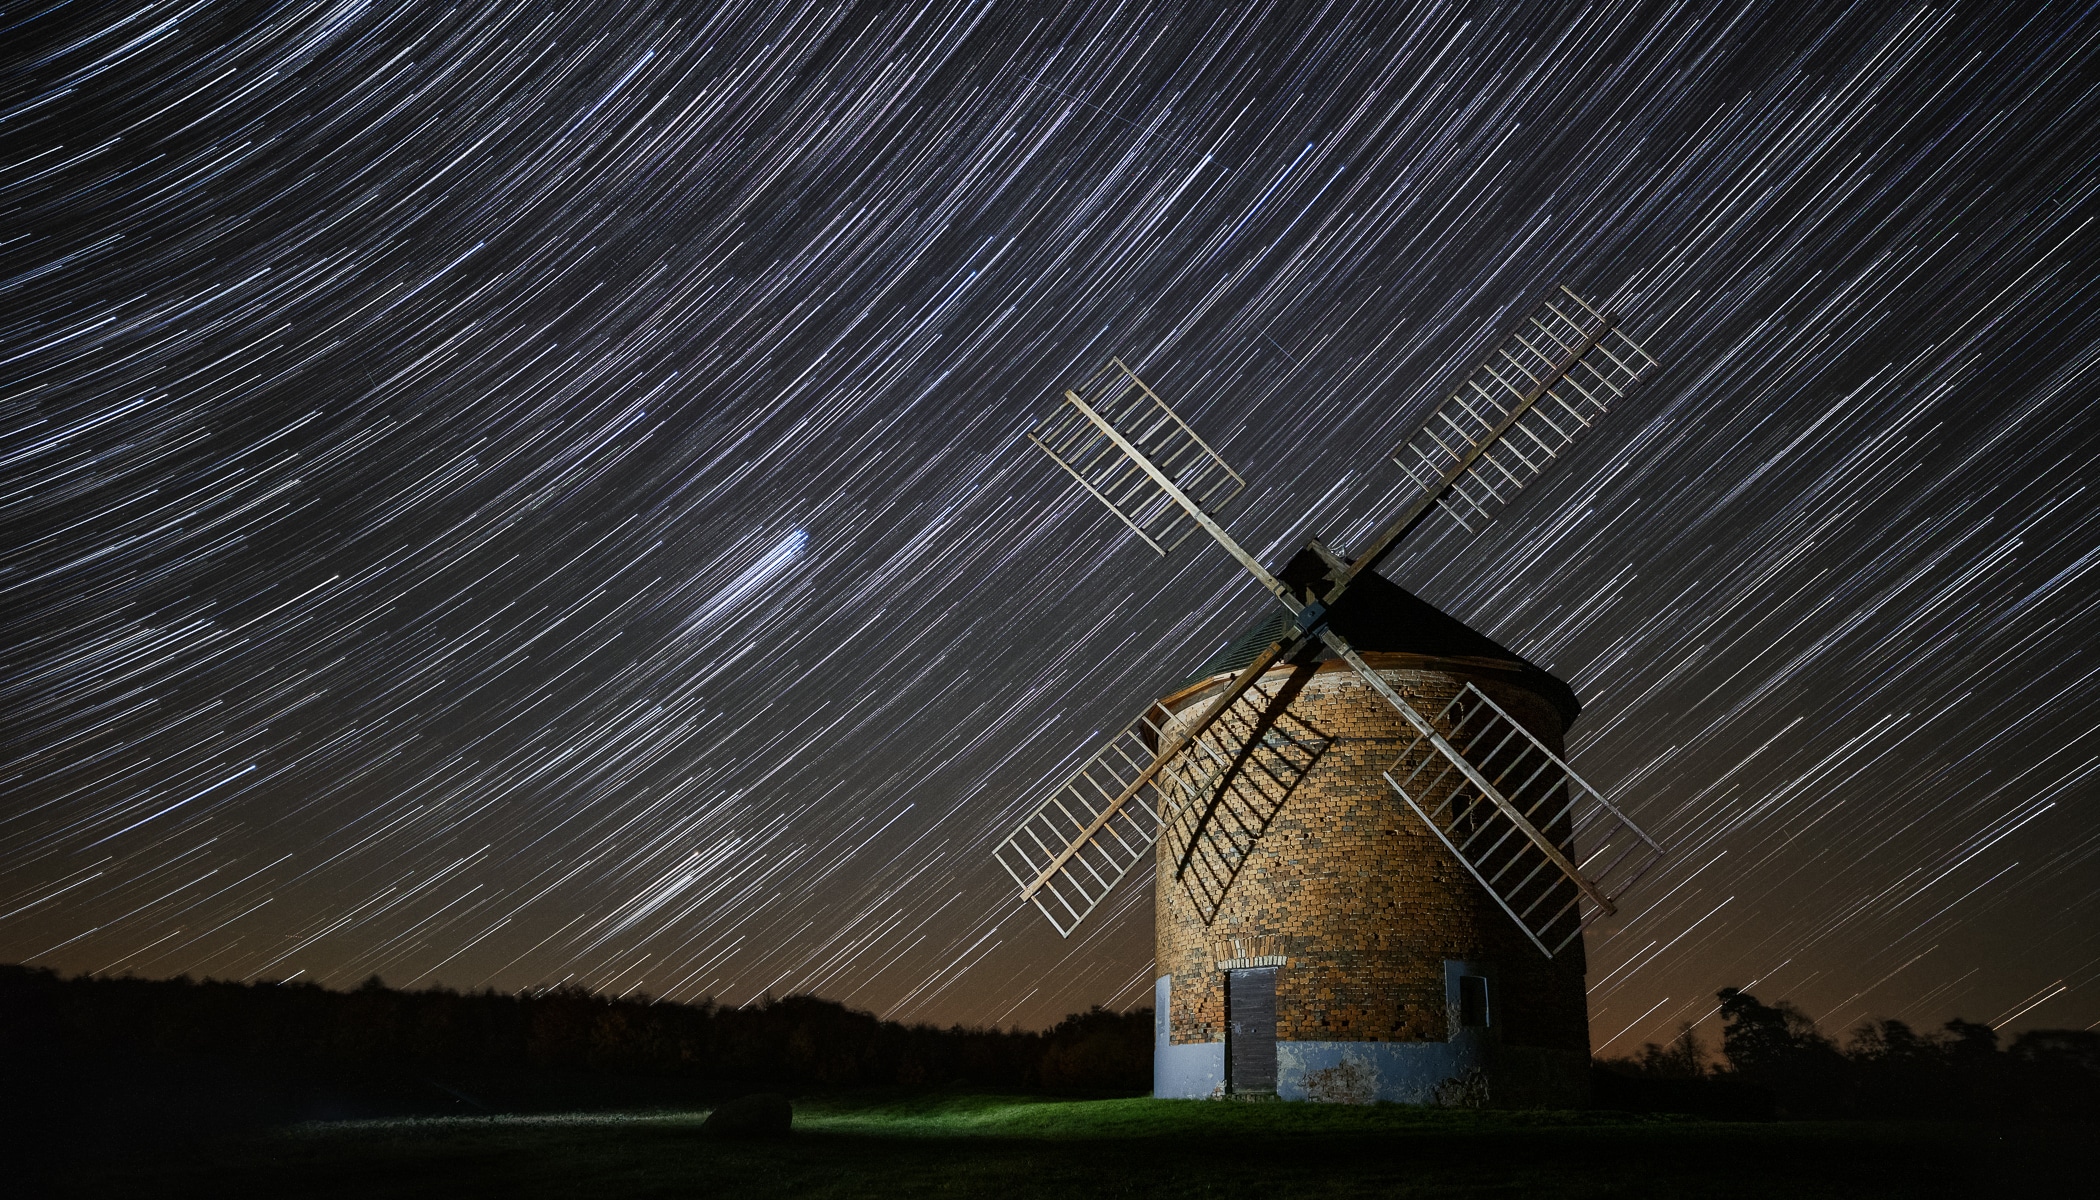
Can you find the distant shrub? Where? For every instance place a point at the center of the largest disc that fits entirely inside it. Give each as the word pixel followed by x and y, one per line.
pixel 1100 1051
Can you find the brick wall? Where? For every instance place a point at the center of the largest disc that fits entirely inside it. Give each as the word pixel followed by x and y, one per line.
pixel 1355 892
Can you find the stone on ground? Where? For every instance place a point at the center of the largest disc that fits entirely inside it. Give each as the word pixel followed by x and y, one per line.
pixel 765 1114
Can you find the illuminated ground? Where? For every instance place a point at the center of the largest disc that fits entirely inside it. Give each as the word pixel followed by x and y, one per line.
pixel 1013 1148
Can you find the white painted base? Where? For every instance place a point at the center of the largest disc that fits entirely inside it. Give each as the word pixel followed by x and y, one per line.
pixel 1469 1070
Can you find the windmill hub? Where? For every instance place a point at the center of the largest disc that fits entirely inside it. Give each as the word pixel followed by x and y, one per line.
pixel 1309 619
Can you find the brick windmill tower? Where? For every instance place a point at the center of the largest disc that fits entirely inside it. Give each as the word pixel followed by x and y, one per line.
pixel 1373 863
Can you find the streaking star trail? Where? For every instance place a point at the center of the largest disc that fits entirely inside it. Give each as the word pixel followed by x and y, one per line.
pixel 537 495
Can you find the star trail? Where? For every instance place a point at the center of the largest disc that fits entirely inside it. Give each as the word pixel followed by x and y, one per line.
pixel 529 494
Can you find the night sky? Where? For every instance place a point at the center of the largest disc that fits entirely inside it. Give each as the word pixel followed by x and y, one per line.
pixel 536 495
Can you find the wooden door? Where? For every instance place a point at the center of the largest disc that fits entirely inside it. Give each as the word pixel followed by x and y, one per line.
pixel 1250 1029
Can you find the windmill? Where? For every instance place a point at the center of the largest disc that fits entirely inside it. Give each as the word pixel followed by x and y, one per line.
pixel 1200 778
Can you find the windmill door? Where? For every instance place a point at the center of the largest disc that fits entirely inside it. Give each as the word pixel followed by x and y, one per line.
pixel 1250 1029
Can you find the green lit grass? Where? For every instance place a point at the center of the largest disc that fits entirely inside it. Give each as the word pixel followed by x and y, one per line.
pixel 944 1116
pixel 1018 1148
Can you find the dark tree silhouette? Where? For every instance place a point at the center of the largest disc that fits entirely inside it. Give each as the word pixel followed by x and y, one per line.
pixel 1776 1062
pixel 298 1050
pixel 1777 1046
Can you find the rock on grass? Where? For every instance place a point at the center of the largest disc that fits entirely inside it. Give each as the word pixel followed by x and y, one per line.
pixel 765 1114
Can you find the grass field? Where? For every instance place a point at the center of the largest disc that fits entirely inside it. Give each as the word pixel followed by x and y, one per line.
pixel 1022 1147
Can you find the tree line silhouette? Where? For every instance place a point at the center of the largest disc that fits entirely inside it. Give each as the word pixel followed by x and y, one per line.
pixel 298 1049
pixel 1776 1062
pixel 95 1045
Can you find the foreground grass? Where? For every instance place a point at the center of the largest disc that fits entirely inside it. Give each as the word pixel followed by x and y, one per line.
pixel 1018 1148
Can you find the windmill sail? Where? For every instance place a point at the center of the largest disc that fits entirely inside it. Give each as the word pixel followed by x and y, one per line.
pixel 1256 754
pixel 1124 445
pixel 1093 829
pixel 1563 368
pixel 1517 818
pixel 1078 844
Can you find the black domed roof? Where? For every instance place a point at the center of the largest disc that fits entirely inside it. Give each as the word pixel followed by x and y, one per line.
pixel 1378 615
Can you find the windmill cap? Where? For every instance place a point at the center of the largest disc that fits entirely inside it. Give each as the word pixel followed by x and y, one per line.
pixel 1379 616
